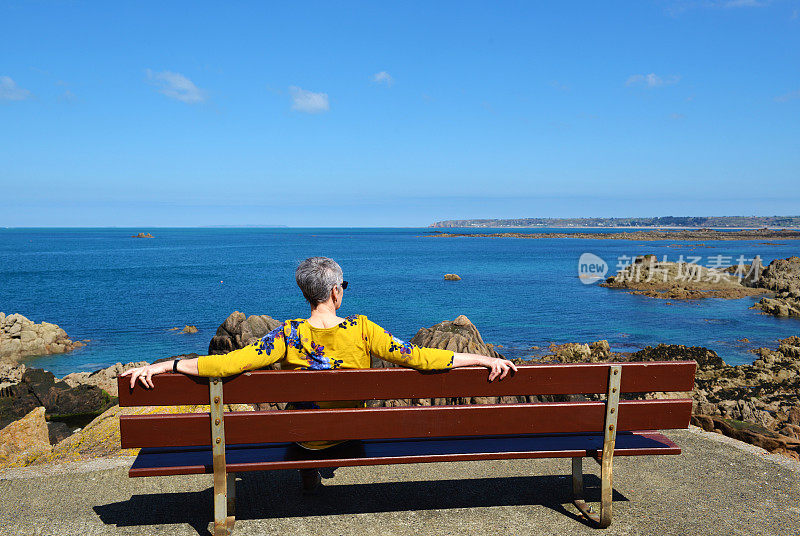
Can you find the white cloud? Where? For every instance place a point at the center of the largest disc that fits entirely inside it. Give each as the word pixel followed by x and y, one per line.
pixel 308 101
pixel 176 86
pixel 9 90
pixel 651 80
pixel 383 78
pixel 788 96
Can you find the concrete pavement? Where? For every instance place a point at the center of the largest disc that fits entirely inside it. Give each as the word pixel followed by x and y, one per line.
pixel 717 487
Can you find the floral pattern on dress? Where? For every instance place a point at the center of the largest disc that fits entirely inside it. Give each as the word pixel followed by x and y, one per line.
pixel 267 342
pixel 316 359
pixel 351 320
pixel 398 345
pixel 293 338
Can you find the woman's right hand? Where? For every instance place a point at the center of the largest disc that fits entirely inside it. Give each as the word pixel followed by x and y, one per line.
pixel 145 374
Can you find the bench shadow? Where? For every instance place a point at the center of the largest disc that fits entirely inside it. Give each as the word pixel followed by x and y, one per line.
pixel 276 494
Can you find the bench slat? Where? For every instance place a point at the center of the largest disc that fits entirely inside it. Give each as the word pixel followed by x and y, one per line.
pixel 183 461
pixel 383 384
pixel 194 429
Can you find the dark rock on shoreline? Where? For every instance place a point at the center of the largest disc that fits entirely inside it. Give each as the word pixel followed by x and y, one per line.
pixel 60 400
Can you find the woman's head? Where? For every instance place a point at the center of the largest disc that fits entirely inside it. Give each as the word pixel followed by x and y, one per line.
pixel 317 277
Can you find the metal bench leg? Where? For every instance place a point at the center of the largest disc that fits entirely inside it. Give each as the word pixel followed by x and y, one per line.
pixel 606 461
pixel 224 483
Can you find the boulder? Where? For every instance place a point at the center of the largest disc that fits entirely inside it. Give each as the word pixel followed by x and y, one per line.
pixel 21 337
pixel 189 329
pixel 238 331
pixel 25 438
pixel 105 379
pixel 458 335
pixel 452 277
pixel 40 388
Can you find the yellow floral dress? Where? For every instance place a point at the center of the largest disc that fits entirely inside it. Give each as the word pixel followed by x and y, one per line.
pixel 300 346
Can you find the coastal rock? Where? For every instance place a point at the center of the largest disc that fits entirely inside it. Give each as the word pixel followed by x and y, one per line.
pixel 105 379
pixel 40 388
pixel 458 335
pixel 782 276
pixel 758 403
pixel 648 276
pixel 25 438
pixel 452 277
pixel 189 329
pixel 21 337
pixel 142 235
pixel 238 331
pixel 10 374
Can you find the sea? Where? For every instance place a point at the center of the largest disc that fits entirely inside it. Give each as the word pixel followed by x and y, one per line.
pixel 126 295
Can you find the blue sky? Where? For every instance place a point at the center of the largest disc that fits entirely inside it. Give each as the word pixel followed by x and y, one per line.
pixel 395 114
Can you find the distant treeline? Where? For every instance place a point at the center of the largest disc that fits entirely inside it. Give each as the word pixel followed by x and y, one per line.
pixel 662 221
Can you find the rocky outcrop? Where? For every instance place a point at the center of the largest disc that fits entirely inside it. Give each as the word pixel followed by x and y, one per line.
pixel 24 439
pixel 105 379
pixel 40 388
pixel 782 276
pixel 238 331
pixel 452 277
pixel 757 403
pixel 189 329
pixel 20 337
pixel 458 335
pixel 678 281
pixel 142 235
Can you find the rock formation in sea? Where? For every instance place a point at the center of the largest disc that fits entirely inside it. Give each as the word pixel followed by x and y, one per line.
pixel 142 235
pixel 21 337
pixel 782 276
pixel 678 280
pixel 452 277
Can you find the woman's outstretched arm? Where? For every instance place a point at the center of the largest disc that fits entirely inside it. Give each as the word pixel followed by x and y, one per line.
pixel 145 374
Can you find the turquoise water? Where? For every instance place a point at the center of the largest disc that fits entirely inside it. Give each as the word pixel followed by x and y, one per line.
pixel 125 294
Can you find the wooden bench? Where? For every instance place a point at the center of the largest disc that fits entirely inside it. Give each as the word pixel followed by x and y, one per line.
pixel 224 443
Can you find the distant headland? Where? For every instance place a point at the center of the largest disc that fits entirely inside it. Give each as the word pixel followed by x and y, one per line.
pixel 694 222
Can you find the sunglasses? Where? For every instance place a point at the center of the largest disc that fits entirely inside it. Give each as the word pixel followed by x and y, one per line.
pixel 344 285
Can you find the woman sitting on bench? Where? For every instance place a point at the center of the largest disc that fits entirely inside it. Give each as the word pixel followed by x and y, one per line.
pixel 320 342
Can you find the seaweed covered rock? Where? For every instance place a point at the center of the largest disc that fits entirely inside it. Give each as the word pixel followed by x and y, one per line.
pixel 40 388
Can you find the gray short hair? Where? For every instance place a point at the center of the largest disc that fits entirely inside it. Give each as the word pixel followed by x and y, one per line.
pixel 316 277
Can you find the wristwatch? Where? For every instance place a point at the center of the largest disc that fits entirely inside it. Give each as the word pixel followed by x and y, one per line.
pixel 175 365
